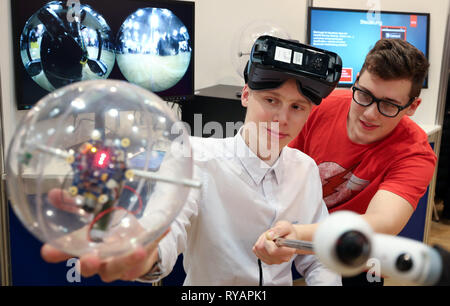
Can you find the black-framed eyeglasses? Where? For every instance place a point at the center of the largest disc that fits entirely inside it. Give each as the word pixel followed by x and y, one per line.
pixel 386 108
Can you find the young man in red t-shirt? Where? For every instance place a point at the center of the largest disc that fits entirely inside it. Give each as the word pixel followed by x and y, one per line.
pixel 373 159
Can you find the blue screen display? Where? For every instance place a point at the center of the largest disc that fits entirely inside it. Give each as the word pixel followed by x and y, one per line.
pixel 154 160
pixel 352 33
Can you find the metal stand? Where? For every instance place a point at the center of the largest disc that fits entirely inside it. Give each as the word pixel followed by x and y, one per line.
pixel 442 98
pixel 5 263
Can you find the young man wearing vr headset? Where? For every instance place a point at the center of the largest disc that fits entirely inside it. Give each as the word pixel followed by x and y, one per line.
pixel 373 159
pixel 249 181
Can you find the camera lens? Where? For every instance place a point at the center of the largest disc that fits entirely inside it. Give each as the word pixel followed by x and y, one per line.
pixel 353 248
pixel 317 63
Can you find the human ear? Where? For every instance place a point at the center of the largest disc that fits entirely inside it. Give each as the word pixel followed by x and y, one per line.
pixel 245 95
pixel 413 107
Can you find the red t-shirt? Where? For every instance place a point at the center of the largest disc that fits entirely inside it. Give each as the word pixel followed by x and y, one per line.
pixel 351 174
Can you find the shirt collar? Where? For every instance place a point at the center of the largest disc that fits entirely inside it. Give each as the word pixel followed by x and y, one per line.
pixel 254 166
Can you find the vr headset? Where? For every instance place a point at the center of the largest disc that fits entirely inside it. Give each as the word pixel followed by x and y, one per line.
pixel 274 60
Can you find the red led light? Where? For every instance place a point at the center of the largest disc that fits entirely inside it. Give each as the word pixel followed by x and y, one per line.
pixel 101 159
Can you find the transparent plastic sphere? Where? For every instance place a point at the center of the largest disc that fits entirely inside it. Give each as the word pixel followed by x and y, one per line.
pixel 246 37
pixel 61 44
pixel 153 49
pixel 99 166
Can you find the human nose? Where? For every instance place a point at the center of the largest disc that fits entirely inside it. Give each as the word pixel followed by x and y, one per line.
pixel 281 116
pixel 371 111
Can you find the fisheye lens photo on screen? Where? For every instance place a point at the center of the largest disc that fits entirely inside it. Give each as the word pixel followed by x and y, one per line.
pixel 153 48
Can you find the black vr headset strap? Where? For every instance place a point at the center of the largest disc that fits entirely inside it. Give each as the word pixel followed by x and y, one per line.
pixel 246 72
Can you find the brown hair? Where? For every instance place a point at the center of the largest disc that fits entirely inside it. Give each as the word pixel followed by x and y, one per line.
pixel 392 59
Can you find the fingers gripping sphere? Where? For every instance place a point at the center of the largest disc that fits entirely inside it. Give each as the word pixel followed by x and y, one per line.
pixel 99 167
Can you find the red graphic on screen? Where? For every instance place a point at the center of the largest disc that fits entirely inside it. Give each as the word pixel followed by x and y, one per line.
pixel 413 21
pixel 346 75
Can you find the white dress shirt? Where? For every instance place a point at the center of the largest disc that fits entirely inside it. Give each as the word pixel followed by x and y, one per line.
pixel 242 197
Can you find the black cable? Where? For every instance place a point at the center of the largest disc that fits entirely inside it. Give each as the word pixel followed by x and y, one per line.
pixel 261 278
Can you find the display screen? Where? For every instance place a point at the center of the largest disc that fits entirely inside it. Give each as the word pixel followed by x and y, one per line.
pixel 156 158
pixel 146 42
pixel 353 33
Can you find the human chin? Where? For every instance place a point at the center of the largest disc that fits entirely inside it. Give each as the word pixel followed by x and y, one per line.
pixel 368 134
pixel 355 131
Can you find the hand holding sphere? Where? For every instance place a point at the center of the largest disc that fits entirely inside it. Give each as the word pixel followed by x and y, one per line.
pixel 99 170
